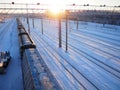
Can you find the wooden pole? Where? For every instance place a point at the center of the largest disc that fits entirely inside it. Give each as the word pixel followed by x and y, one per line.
pixel 59 31
pixel 66 30
pixel 42 25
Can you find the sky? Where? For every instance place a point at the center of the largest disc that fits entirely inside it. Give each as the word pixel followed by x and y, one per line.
pixel 80 2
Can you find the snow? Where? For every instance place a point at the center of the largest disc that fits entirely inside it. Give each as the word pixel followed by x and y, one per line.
pixel 91 62
pixel 12 79
pixel 93 57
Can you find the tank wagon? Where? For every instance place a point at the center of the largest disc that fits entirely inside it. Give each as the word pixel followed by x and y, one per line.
pixel 24 39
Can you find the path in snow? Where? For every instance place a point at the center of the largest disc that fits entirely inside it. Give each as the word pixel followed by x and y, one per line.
pixel 12 80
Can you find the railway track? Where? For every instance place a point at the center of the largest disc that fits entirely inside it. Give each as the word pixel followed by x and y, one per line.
pixel 96 61
pixel 79 68
pixel 96 46
pixel 115 58
pixel 103 38
pixel 97 40
pixel 107 50
pixel 58 58
pixel 99 67
pixel 104 45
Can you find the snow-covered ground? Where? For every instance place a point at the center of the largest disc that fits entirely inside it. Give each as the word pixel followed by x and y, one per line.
pixel 91 62
pixel 93 57
pixel 12 80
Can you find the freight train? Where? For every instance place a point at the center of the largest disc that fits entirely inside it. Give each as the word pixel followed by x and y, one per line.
pixel 36 75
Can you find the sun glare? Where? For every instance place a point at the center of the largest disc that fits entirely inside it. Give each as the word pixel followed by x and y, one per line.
pixel 56 7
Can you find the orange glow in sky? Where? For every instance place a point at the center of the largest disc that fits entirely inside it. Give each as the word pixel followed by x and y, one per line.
pixel 56 5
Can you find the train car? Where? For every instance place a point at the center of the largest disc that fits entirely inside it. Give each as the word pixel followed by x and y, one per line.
pixel 26 42
pixel 19 24
pixel 34 67
pixel 21 31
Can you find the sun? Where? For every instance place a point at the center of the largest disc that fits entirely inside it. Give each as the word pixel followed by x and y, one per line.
pixel 55 7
